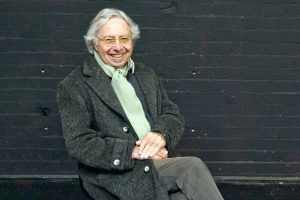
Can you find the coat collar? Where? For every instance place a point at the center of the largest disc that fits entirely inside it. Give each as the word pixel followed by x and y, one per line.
pixel 100 83
pixel 148 89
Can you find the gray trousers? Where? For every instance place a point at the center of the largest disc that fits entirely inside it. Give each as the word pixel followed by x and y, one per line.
pixel 187 178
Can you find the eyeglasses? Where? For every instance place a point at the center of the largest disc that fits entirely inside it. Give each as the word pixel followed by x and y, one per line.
pixel 110 41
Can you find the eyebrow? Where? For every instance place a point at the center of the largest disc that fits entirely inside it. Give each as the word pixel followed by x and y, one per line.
pixel 127 35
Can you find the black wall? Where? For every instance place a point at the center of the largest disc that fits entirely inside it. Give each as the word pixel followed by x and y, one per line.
pixel 232 67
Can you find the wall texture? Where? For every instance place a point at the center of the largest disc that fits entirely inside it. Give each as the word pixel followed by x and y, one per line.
pixel 232 66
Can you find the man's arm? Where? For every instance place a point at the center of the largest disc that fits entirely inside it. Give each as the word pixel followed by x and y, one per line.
pixel 167 129
pixel 83 143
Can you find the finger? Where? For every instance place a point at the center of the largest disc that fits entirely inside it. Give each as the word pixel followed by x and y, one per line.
pixel 145 152
pixel 164 150
pixel 159 142
pixel 150 145
pixel 163 153
pixel 157 157
pixel 144 142
pixel 156 144
pixel 154 150
pixel 151 148
pixel 160 154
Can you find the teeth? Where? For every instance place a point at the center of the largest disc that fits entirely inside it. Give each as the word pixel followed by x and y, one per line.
pixel 117 56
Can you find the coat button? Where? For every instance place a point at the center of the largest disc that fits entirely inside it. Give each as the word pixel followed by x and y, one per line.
pixel 146 169
pixel 116 162
pixel 125 129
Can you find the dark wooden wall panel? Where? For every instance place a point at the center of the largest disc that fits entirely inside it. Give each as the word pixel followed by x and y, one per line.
pixel 231 66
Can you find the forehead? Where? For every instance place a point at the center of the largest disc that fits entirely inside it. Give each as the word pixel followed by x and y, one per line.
pixel 114 27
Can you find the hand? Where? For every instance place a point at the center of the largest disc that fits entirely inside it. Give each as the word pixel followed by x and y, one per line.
pixel 161 154
pixel 150 145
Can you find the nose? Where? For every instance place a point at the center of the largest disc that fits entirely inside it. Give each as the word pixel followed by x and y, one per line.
pixel 117 46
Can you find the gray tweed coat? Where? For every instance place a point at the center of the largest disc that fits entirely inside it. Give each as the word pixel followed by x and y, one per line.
pixel 99 136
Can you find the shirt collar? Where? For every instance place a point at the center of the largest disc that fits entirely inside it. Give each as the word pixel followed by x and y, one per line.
pixel 109 70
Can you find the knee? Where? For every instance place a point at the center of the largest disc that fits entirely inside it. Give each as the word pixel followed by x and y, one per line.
pixel 196 163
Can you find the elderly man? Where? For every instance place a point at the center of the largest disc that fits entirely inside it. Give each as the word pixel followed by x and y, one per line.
pixel 120 126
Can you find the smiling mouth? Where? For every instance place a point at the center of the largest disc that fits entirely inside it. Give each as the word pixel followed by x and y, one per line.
pixel 117 55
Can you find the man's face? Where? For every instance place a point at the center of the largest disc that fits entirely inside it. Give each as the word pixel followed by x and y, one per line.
pixel 114 44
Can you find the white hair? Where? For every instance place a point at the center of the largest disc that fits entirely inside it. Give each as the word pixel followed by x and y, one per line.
pixel 101 18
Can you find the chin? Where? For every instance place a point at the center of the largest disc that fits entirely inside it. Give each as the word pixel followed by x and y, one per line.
pixel 118 65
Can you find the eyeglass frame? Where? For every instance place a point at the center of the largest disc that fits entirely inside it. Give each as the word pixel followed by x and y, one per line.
pixel 110 41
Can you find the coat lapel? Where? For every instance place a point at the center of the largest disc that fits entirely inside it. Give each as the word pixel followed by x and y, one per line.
pixel 148 88
pixel 101 84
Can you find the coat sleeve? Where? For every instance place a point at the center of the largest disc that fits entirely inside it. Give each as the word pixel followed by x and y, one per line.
pixel 169 122
pixel 82 142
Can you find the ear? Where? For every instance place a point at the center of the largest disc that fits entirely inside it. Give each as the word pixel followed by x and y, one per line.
pixel 95 45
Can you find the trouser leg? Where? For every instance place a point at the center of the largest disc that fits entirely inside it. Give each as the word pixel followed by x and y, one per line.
pixel 190 175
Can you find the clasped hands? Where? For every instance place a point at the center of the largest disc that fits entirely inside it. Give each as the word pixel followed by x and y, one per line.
pixel 152 146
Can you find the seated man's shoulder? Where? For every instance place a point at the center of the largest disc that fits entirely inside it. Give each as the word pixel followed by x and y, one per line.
pixel 73 77
pixel 142 67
